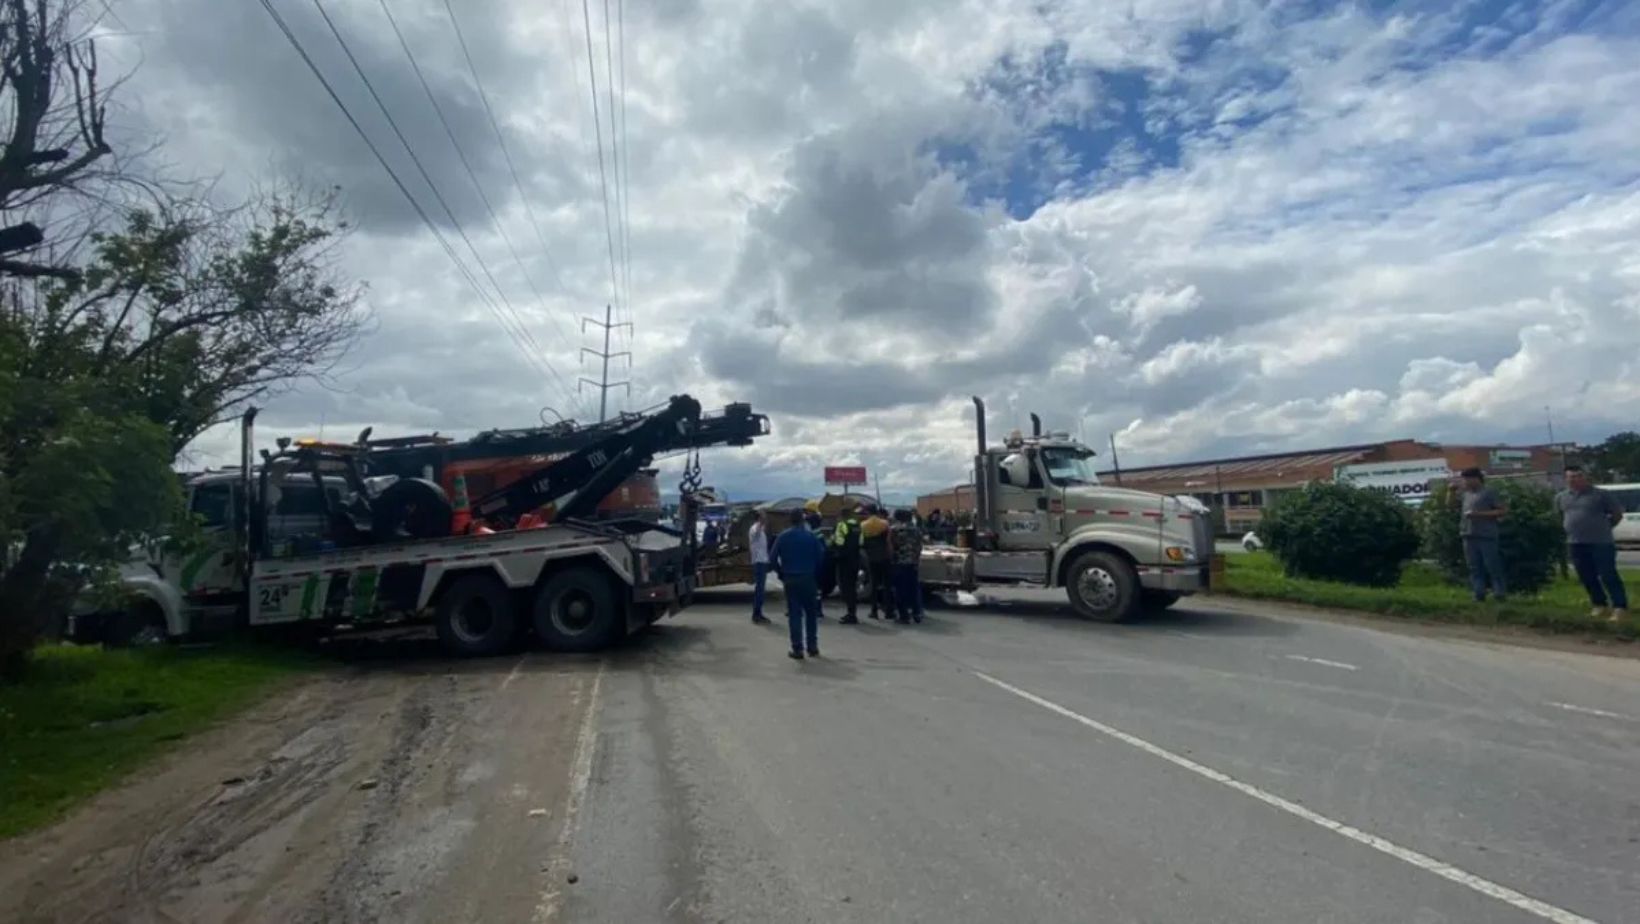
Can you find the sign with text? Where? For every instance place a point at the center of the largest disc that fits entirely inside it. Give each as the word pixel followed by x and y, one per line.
pixel 1410 481
pixel 845 474
pixel 1511 458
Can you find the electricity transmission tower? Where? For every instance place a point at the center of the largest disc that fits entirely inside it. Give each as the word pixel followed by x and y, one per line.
pixel 604 384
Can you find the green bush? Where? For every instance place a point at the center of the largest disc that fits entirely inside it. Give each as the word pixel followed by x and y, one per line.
pixel 1338 532
pixel 1529 536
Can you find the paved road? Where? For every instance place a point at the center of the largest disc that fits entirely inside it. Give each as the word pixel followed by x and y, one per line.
pixel 1006 762
pixel 1003 762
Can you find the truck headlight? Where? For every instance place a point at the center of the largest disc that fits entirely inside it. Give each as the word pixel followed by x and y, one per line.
pixel 1177 553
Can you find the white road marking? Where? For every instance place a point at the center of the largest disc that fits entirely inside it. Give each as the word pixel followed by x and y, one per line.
pixel 1185 634
pixel 580 774
pixel 1587 711
pixel 1323 661
pixel 1424 862
pixel 512 674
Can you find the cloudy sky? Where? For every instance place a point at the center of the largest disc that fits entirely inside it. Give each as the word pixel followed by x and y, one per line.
pixel 1211 228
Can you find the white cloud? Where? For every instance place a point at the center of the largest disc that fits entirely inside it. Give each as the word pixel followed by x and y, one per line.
pixel 1341 227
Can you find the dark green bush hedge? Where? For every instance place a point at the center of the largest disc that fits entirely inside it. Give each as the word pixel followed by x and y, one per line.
pixel 1338 532
pixel 1529 536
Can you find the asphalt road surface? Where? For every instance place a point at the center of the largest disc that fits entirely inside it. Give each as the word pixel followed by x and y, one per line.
pixel 1225 762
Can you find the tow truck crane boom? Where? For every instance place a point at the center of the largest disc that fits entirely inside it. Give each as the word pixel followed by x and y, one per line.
pixel 574 485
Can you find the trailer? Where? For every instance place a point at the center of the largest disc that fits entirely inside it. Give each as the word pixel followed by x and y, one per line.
pixel 310 539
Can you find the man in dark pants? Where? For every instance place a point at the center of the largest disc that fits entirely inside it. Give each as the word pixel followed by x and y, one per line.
pixel 874 541
pixel 797 554
pixel 1480 531
pixel 757 542
pixel 1588 514
pixel 845 550
pixel 905 541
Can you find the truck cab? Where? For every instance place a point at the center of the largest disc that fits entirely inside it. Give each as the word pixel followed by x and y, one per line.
pixel 1044 518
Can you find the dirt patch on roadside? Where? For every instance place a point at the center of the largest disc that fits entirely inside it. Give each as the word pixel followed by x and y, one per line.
pixel 379 791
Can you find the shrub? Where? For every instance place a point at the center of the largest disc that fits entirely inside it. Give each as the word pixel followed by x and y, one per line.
pixel 1338 532
pixel 1529 536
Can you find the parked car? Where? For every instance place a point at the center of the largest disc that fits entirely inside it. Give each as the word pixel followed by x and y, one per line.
pixel 1251 542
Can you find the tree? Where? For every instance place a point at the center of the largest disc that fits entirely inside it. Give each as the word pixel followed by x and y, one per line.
pixel 1530 537
pixel 1338 532
pixel 55 136
pixel 178 320
pixel 1615 460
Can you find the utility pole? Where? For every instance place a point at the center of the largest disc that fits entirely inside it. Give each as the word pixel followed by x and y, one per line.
pixel 604 384
pixel 1114 461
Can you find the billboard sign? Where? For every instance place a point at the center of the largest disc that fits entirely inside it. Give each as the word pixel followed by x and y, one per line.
pixel 1511 458
pixel 1410 481
pixel 845 474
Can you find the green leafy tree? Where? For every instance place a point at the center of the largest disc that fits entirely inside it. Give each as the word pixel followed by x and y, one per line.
pixel 176 321
pixel 1614 460
pixel 1529 536
pixel 1338 532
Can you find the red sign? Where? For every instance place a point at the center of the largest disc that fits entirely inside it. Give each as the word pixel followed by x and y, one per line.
pixel 845 474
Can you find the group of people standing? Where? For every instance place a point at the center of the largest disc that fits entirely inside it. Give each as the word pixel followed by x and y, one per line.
pixel 1587 514
pixel 863 543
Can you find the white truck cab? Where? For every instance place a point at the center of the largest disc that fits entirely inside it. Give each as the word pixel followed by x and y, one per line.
pixel 1043 518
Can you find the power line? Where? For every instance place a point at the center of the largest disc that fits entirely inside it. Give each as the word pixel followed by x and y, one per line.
pixel 502 141
pixel 598 133
pixel 467 166
pixel 425 176
pixel 364 136
pixel 626 159
pixel 614 138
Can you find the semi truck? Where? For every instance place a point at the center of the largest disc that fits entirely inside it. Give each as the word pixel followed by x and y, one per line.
pixel 312 539
pixel 1043 519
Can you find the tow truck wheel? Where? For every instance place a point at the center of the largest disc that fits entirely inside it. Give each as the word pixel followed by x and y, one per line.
pixel 1103 587
pixel 475 617
pixel 575 610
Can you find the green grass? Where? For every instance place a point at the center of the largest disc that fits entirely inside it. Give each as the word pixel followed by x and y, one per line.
pixel 81 717
pixel 1423 594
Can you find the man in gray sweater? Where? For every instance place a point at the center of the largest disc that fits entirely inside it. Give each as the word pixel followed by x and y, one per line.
pixel 1481 549
pixel 1589 513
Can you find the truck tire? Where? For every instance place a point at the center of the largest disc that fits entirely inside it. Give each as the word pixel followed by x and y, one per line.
pixel 576 610
pixel 410 508
pixel 1103 587
pixel 140 623
pixel 1157 600
pixel 475 617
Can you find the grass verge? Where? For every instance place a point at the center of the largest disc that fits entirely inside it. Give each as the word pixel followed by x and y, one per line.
pixel 82 717
pixel 1423 594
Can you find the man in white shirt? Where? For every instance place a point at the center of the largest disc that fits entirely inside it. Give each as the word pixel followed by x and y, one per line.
pixel 758 539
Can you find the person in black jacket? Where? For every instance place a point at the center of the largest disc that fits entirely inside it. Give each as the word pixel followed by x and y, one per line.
pixel 874 542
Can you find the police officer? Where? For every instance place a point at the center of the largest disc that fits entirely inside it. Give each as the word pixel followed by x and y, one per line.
pixel 845 545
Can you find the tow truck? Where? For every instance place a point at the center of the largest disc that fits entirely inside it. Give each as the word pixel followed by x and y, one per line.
pixel 358 550
pixel 1043 519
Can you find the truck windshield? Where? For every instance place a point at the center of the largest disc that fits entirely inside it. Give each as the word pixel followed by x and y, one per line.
pixel 1069 466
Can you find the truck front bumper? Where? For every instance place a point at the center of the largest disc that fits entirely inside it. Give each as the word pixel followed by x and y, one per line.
pixel 1181 579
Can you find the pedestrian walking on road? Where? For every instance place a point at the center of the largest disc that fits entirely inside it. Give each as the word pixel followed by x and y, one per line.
pixel 797 555
pixel 1588 513
pixel 874 541
pixel 1482 511
pixel 845 550
pixel 906 543
pixel 757 539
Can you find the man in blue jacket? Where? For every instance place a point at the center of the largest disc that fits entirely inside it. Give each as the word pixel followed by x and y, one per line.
pixel 797 555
